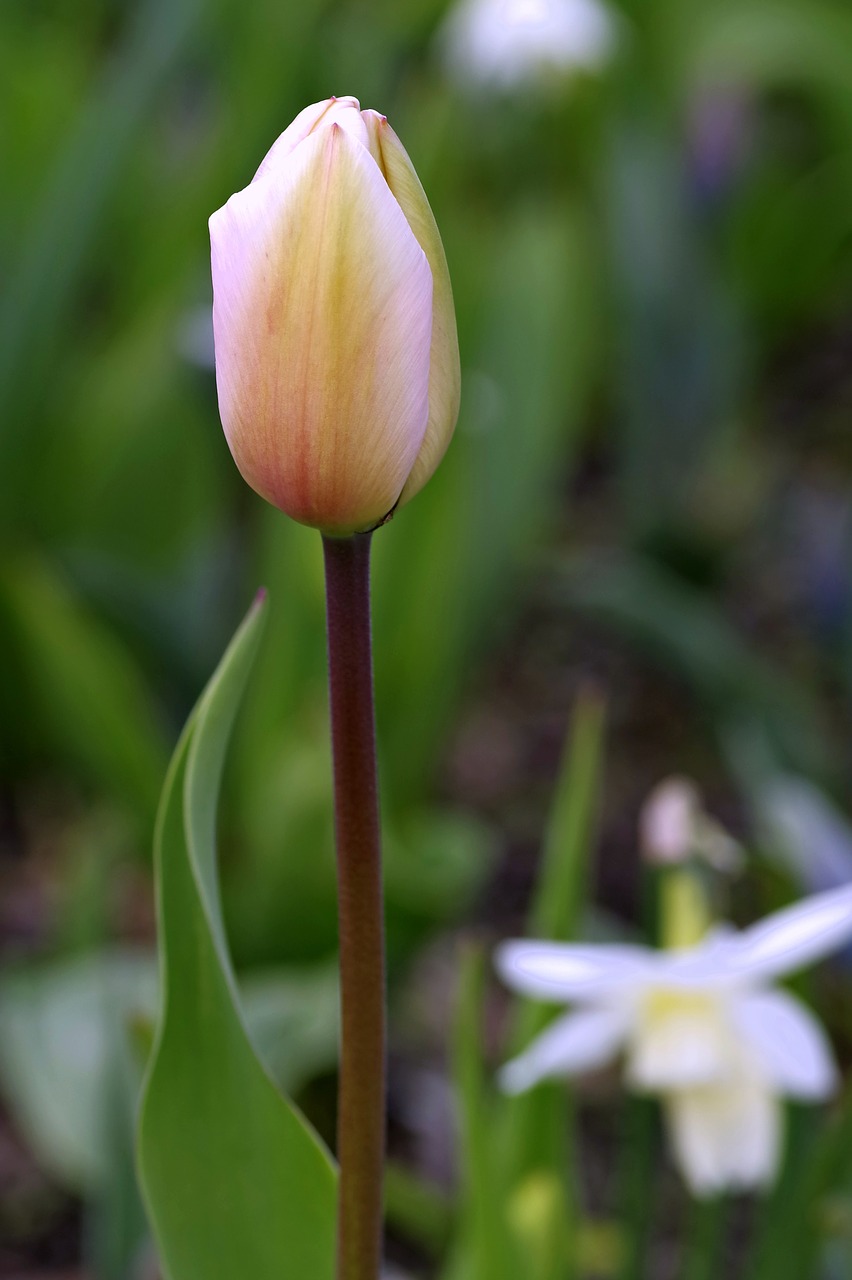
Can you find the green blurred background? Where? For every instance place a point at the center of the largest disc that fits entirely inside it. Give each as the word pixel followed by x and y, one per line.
pixel 650 488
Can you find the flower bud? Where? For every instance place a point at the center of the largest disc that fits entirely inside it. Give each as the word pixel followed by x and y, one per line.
pixel 675 828
pixel 337 360
pixel 668 820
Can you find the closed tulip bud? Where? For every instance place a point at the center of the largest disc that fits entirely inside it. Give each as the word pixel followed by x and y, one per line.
pixel 336 352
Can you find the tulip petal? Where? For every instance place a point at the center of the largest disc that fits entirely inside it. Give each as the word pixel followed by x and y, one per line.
pixel 343 110
pixel 793 938
pixel 556 972
pixel 726 1136
pixel 789 1042
pixel 573 1044
pixel 322 318
pixel 444 373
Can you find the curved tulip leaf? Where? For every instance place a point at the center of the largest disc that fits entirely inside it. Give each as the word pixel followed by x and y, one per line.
pixel 236 1182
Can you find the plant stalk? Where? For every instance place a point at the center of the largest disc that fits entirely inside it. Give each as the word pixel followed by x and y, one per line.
pixel 361 1090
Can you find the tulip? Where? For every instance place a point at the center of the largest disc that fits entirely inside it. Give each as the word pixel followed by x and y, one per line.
pixel 337 360
pixel 702 1027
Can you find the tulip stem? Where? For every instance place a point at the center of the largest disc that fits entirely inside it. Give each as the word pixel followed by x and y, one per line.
pixel 361 1089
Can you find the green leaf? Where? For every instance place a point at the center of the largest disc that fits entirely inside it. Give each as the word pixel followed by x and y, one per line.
pixel 236 1182
pixel 67 1025
pixel 539 1124
pixel 684 631
pixel 486 1248
pixel 69 1070
pixel 62 232
pixel 62 1027
pixel 91 703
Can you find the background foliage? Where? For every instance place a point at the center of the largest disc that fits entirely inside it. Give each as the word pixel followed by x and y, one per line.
pixel 651 485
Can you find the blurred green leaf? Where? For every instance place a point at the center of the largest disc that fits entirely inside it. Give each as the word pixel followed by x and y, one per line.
pixel 809 1204
pixel 766 43
pixel 49 261
pixel 419 1211
pixel 61 1026
pixel 292 1019
pixel 705 1233
pixel 69 1071
pixel 117 1229
pixel 637 1174
pixel 91 701
pixel 486 1248
pixel 685 630
pixel 446 569
pixel 63 1023
pixel 539 1123
pixel 783 1233
pixel 235 1181
pixel 434 861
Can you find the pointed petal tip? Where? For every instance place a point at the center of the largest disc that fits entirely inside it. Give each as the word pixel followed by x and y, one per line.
pixel 796 936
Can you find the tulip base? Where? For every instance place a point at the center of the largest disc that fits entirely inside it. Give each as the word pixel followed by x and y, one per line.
pixel 361 1093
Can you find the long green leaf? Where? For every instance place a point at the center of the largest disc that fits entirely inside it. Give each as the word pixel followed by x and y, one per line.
pixel 539 1125
pixel 60 235
pixel 539 1122
pixel 486 1245
pixel 236 1182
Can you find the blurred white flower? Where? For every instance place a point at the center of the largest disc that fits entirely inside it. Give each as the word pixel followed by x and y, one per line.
pixel 701 1027
pixel 507 44
pixel 674 827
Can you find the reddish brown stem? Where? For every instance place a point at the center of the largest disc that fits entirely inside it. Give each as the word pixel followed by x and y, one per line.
pixel 361 1093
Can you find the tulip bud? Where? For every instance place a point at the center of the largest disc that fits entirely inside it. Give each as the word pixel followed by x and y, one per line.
pixel 337 360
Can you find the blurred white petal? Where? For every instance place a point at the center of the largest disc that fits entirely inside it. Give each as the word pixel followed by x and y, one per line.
pixel 703 965
pixel 505 44
pixel 791 1045
pixel 573 1044
pixel 726 1136
pixel 561 972
pixel 793 938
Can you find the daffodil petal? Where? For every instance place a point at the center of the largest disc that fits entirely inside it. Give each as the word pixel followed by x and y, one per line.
pixel 557 972
pixel 726 1137
pixel 322 319
pixel 573 1044
pixel 793 938
pixel 791 1045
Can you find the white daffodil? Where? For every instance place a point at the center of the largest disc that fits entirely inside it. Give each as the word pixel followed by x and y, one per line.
pixel 701 1027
